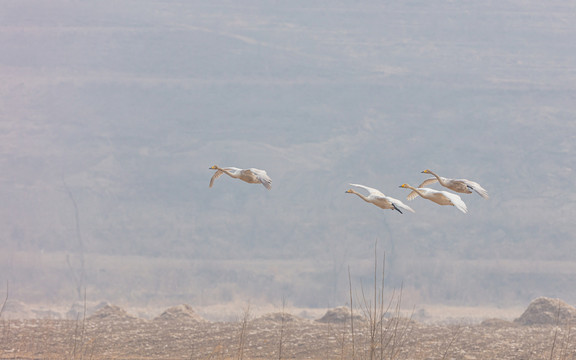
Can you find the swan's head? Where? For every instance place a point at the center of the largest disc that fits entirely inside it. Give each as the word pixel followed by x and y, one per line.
pixel 349 191
pixel 426 171
pixel 214 167
pixel 404 185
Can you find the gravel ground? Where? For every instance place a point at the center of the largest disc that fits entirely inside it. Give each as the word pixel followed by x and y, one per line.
pixel 180 334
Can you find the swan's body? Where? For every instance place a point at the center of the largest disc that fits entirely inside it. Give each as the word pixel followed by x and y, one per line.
pixel 252 176
pixel 379 199
pixel 438 196
pixel 459 185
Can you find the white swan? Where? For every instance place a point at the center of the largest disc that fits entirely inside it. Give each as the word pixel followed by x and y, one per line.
pixel 252 176
pixel 438 196
pixel 459 185
pixel 382 201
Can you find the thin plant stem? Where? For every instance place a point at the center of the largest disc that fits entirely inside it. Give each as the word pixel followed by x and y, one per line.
pixel 452 340
pixel 555 331
pixel 281 343
pixel 243 332
pixel 5 299
pixel 351 313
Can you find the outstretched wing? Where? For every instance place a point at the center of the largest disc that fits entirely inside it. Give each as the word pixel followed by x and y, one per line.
pixel 372 191
pixel 476 187
pixel 263 178
pixel 456 201
pixel 230 171
pixel 216 175
pixel 428 182
pixel 413 194
pixel 400 204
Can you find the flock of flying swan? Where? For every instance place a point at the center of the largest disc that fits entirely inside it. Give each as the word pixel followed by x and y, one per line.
pixel 376 197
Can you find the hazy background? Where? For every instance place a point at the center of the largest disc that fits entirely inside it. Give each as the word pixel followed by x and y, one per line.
pixel 111 113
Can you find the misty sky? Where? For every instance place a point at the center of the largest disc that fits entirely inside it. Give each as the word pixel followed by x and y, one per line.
pixel 111 114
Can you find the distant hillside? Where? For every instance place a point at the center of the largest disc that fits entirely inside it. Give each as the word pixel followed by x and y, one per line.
pixel 110 118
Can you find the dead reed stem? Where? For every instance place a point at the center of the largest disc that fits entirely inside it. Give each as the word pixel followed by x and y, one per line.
pixel 5 299
pixel 243 332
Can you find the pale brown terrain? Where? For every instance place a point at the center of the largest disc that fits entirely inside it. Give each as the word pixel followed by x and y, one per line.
pixel 544 331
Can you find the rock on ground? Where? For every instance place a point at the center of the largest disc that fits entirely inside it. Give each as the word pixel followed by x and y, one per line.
pixel 339 315
pixel 547 311
pixel 183 312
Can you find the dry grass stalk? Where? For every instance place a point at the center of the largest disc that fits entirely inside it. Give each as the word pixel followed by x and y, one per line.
pixel 565 342
pixel 243 332
pixel 5 325
pixel 556 328
pixel 351 314
pixel 82 347
pixel 5 299
pixel 387 330
pixel 457 333
pixel 282 322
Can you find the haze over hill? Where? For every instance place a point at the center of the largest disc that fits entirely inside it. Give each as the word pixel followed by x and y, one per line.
pixel 111 114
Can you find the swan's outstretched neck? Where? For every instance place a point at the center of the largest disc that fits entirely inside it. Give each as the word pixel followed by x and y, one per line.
pixel 432 173
pixel 225 171
pixel 357 193
pixel 417 191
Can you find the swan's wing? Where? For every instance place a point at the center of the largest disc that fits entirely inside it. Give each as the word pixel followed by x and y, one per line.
pixel 428 182
pixel 456 200
pixel 476 187
pixel 372 191
pixel 413 195
pixel 216 175
pixel 399 204
pixel 263 178
pixel 232 170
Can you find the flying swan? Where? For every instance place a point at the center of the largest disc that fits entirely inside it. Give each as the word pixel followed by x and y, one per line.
pixel 459 185
pixel 437 196
pixel 382 201
pixel 252 176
